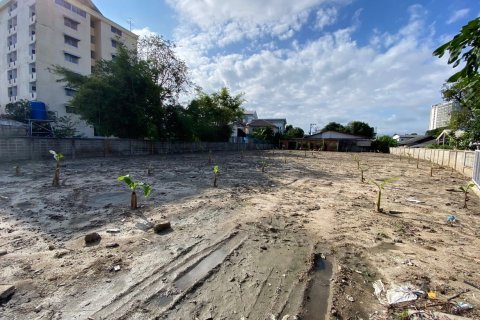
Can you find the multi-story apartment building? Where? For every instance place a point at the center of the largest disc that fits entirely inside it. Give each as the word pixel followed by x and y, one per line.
pixel 441 113
pixel 37 34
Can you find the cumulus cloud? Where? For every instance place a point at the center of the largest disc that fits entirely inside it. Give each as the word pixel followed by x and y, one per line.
pixel 389 83
pixel 325 17
pixel 144 32
pixel 457 15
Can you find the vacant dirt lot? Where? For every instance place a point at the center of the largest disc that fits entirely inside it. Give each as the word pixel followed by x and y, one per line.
pixel 301 240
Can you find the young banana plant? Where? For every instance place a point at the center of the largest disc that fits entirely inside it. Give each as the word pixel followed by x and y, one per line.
pixel 362 169
pixel 357 160
pixel 216 172
pixel 56 178
pixel 263 165
pixel 381 186
pixel 147 189
pixel 465 188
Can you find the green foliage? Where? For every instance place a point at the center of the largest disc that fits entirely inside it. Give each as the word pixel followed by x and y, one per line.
pixel 435 132
pixel 216 170
pixel 264 134
pixel 357 128
pixel 464 47
pixel 18 111
pixel 383 144
pixel 291 132
pixel 465 188
pixel 56 155
pixel 263 165
pixel 147 189
pixel 211 115
pixel 334 126
pixel 65 127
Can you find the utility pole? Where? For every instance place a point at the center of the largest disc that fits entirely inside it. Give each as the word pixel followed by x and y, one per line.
pixel 311 125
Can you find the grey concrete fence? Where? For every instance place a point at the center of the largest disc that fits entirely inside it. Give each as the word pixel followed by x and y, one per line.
pixel 34 148
pixel 459 160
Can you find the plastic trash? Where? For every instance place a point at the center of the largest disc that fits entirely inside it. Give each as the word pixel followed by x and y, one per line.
pixel 403 293
pixel 413 200
pixel 461 306
pixel 451 218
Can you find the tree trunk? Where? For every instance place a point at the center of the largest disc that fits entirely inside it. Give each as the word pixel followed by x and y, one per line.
pixel 215 181
pixel 378 200
pixel 56 177
pixel 133 201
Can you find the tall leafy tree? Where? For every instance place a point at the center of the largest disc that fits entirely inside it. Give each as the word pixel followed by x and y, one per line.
pixel 291 132
pixel 463 87
pixel 360 128
pixel 212 115
pixel 334 126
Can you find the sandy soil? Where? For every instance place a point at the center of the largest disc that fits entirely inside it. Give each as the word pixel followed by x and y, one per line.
pixel 299 241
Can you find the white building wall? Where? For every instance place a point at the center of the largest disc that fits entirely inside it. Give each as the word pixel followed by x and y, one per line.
pixel 440 114
pixel 50 48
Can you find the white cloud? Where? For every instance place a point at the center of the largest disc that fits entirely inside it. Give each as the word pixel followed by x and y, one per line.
pixel 144 32
pixel 457 15
pixel 389 83
pixel 325 17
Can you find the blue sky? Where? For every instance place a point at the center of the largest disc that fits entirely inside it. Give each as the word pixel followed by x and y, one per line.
pixel 312 61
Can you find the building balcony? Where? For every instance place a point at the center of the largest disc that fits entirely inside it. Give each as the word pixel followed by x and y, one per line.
pixel 12 30
pixel 12 82
pixel 12 47
pixel 13 12
pixel 33 19
pixel 12 64
pixel 32 58
pixel 12 98
pixel 32 77
pixel 33 95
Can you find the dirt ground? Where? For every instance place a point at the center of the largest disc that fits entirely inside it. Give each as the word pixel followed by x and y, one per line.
pixel 301 240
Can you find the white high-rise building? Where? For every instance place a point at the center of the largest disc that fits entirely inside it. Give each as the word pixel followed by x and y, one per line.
pixel 37 34
pixel 441 113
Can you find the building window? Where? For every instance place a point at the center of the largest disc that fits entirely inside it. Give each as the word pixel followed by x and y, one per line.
pixel 70 109
pixel 113 56
pixel 114 43
pixel 71 58
pixel 70 23
pixel 12 40
pixel 13 6
pixel 92 39
pixel 70 92
pixel 92 54
pixel 71 41
pixel 92 24
pixel 116 31
pixel 71 7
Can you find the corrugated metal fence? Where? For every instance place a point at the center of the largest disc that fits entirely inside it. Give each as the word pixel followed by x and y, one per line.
pixel 34 148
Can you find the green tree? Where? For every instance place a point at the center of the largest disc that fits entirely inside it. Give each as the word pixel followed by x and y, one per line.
pixel 264 134
pixel 291 132
pixel 383 144
pixel 465 46
pixel 18 111
pixel 65 127
pixel 334 126
pixel 359 128
pixel 212 115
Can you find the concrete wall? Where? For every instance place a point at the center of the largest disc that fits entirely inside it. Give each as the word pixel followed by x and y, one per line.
pixel 460 160
pixel 33 148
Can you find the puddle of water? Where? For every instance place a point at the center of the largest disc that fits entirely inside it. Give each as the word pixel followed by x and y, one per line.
pixel 316 302
pixel 201 269
pixel 114 198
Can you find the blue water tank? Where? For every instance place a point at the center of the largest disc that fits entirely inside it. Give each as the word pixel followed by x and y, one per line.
pixel 38 110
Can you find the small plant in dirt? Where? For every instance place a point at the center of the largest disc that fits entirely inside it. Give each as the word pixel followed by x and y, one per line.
pixel 381 186
pixel 150 170
pixel 357 160
pixel 216 172
pixel 418 161
pixel 17 170
pixel 409 155
pixel 362 169
pixel 147 189
pixel 263 165
pixel 465 188
pixel 56 178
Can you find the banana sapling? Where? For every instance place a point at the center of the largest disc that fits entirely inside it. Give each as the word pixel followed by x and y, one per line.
pixel 147 189
pixel 216 172
pixel 465 189
pixel 380 187
pixel 56 178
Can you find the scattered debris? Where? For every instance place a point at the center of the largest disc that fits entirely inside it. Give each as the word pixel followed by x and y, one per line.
pixel 413 200
pixel 3 252
pixel 403 293
pixel 114 230
pixel 451 219
pixel 161 226
pixel 92 238
pixel 60 254
pixel 6 291
pixel 116 268
pixel 112 245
